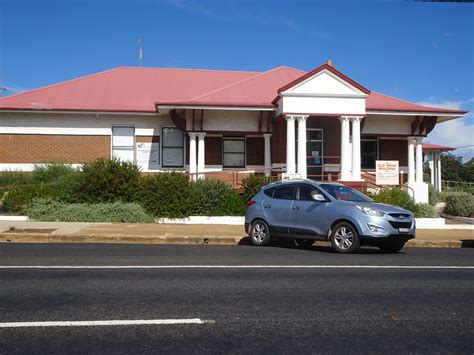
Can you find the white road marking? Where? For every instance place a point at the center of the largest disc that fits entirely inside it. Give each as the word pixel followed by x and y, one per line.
pixel 234 267
pixel 102 323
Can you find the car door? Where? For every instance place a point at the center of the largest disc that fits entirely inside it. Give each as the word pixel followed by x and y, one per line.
pixel 277 209
pixel 308 216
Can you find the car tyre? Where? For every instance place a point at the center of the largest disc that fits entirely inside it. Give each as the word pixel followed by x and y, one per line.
pixel 391 247
pixel 344 238
pixel 303 243
pixel 260 233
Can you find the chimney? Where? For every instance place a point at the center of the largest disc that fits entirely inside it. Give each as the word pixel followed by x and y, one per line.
pixel 329 62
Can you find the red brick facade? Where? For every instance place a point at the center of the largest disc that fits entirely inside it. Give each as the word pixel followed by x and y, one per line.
pixel 34 149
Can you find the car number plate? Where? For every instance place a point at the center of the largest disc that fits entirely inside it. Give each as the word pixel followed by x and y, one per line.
pixel 403 230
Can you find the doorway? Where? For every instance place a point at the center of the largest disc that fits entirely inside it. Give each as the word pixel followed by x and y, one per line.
pixel 314 152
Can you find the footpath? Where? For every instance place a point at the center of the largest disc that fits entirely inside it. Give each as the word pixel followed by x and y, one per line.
pixel 74 232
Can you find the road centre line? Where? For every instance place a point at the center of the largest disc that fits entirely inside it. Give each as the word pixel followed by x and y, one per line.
pixel 234 267
pixel 102 323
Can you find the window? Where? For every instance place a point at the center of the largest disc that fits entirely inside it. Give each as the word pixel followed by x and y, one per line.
pixel 368 153
pixel 233 151
pixel 344 193
pixel 269 192
pixel 286 192
pixel 172 148
pixel 123 141
pixel 307 191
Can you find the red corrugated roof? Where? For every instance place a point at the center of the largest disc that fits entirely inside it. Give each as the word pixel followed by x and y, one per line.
pixel 429 146
pixel 380 102
pixel 134 89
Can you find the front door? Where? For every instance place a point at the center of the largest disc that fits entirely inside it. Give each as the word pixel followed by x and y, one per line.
pixel 314 152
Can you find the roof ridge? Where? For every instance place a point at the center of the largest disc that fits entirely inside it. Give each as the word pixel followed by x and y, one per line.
pixel 237 83
pixel 193 69
pixel 60 83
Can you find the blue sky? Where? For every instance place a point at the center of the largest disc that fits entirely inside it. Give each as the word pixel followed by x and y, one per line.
pixel 423 52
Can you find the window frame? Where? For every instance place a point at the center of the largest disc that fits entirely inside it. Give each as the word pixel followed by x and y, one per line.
pixel 112 146
pixel 163 147
pixel 224 152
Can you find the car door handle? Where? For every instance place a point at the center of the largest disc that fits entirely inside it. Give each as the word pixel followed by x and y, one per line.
pixel 296 208
pixel 267 206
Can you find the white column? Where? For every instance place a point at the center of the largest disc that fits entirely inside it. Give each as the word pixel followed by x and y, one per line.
pixel 356 148
pixel 419 160
pixel 192 155
pixel 268 154
pixel 345 149
pixel 290 144
pixel 431 165
pixel 438 158
pixel 201 155
pixel 411 161
pixel 302 169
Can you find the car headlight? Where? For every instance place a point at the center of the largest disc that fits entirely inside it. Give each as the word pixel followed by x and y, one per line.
pixel 370 211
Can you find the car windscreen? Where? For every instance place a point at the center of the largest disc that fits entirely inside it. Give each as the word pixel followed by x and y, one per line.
pixel 344 193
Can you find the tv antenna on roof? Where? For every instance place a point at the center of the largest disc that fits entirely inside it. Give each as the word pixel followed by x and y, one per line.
pixel 140 52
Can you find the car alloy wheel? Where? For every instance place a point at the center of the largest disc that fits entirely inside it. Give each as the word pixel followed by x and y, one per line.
pixel 344 238
pixel 259 233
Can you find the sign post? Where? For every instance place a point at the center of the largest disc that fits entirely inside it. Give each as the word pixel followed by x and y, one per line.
pixel 387 172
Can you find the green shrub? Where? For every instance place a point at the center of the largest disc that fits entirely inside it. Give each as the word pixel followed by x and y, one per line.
pixel 18 198
pixel 51 172
pixel 459 204
pixel 108 181
pixel 253 183
pixel 432 195
pixel 217 198
pixel 424 210
pixel 396 197
pixel 41 210
pixel 167 195
pixel 14 177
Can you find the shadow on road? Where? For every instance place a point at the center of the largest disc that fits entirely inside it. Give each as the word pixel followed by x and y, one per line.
pixel 290 244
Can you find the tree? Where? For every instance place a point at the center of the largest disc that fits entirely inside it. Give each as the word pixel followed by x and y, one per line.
pixel 468 171
pixel 451 167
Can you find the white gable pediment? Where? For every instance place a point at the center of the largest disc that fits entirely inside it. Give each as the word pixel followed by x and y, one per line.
pixel 324 83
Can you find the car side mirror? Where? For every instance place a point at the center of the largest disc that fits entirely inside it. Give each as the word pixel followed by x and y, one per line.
pixel 318 197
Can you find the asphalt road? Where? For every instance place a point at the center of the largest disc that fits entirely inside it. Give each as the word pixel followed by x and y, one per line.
pixel 367 302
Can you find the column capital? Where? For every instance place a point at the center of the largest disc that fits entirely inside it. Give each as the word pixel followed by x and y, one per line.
pixel 201 134
pixel 267 135
pixel 344 118
pixel 192 134
pixel 290 118
pixel 301 118
pixel 356 118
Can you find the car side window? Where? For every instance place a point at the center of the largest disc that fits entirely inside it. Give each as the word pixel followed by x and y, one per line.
pixel 286 192
pixel 269 192
pixel 307 191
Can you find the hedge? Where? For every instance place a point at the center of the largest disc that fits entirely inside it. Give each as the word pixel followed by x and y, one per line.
pixel 459 204
pixel 41 210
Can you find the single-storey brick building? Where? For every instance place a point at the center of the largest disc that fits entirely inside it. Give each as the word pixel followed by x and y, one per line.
pixel 321 124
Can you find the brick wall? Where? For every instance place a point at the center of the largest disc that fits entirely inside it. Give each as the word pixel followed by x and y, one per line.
pixel 255 151
pixel 22 148
pixel 394 150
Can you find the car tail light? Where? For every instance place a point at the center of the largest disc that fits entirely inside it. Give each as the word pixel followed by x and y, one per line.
pixel 250 203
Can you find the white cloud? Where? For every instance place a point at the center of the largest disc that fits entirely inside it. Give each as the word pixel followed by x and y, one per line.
pixel 455 133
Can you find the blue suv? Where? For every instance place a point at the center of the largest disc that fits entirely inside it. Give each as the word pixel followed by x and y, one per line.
pixel 308 211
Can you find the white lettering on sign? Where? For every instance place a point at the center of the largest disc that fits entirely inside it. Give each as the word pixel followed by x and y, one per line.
pixel 147 156
pixel 387 172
